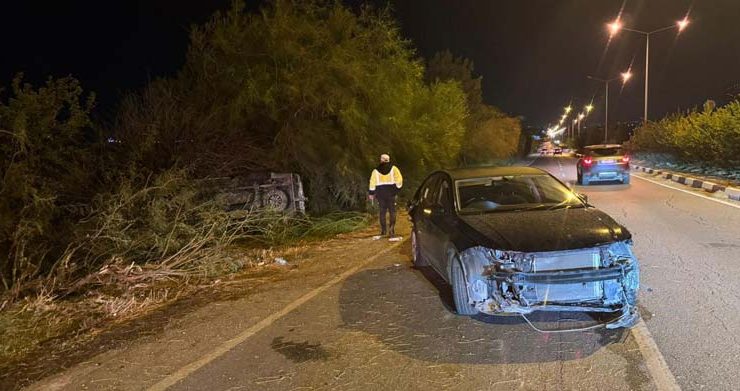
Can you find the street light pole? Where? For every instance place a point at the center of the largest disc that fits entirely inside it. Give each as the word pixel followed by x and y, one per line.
pixel 606 110
pixel 647 68
pixel 624 76
pixel 615 26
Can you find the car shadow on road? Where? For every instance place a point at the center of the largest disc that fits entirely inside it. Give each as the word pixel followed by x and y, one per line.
pixel 410 310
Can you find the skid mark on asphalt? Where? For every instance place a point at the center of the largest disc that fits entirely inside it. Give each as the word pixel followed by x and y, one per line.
pixel 299 352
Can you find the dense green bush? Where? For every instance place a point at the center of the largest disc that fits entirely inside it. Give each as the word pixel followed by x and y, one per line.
pixel 711 135
pixel 301 86
pixel 490 135
pixel 307 87
pixel 45 171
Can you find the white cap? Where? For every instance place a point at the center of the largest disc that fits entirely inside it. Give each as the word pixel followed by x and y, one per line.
pixel 385 158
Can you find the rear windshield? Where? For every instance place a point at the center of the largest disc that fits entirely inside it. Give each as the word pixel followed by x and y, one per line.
pixel 606 151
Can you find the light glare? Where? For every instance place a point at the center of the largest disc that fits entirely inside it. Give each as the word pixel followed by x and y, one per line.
pixel 614 27
pixel 626 76
pixel 682 24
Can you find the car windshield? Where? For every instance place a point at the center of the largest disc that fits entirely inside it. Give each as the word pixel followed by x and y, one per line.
pixel 615 151
pixel 513 193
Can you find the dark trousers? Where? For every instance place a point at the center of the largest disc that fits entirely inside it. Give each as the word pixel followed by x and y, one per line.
pixel 387 204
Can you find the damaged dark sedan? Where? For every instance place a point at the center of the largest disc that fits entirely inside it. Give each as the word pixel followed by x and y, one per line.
pixel 515 240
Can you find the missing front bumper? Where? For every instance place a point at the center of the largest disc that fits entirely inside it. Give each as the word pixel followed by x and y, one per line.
pixel 606 290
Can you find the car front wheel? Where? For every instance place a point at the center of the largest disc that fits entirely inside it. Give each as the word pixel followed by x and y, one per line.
pixel 460 290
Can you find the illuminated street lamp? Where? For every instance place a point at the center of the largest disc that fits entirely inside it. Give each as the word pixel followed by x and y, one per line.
pixel 581 116
pixel 588 109
pixel 615 26
pixel 624 76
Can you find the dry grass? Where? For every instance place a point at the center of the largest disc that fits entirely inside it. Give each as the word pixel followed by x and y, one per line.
pixel 67 309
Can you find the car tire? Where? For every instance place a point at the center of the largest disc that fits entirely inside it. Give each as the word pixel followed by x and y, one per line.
pixel 418 259
pixel 460 290
pixel 626 179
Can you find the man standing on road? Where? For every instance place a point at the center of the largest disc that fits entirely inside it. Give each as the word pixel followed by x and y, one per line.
pixel 385 182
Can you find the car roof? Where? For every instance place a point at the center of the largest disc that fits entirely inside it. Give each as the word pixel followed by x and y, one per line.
pixel 481 172
pixel 599 146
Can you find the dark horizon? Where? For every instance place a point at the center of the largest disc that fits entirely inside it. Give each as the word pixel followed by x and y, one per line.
pixel 533 56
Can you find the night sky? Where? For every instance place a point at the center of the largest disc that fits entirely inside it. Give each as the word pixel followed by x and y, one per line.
pixel 534 55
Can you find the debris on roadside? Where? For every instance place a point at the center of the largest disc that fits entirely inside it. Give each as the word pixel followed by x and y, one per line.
pixel 280 261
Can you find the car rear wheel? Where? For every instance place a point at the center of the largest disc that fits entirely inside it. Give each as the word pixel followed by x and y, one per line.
pixel 460 290
pixel 418 259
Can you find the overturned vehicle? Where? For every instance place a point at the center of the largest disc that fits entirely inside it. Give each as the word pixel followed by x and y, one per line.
pixel 515 240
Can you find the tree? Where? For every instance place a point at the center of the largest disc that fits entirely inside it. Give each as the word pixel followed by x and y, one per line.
pixel 489 133
pixel 46 168
pixel 301 86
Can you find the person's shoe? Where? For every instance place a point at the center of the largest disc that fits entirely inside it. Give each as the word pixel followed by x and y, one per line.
pixel 395 239
pixel 378 237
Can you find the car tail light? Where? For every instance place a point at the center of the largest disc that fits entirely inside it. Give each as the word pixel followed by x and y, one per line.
pixel 588 161
pixel 625 159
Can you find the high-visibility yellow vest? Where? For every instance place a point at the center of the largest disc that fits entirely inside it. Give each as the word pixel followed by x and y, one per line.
pixel 393 177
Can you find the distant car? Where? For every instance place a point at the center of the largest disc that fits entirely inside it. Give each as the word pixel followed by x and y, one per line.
pixel 604 162
pixel 557 151
pixel 515 240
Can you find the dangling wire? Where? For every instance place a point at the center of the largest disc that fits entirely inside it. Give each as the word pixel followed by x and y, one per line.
pixel 562 331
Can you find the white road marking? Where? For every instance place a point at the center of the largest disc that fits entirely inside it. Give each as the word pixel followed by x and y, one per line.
pixel 689 192
pixel 656 365
pixel 225 347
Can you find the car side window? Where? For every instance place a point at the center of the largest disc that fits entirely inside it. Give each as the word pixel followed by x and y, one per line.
pixel 426 197
pixel 443 195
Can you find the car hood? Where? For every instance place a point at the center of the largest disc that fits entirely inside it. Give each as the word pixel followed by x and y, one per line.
pixel 544 230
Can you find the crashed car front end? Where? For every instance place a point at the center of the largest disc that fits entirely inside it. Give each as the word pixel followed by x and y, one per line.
pixel 598 279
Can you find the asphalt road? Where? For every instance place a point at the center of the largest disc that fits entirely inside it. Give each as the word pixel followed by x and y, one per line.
pixel 375 323
pixel 690 295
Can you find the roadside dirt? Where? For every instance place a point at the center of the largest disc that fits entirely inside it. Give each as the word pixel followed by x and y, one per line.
pixel 171 336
